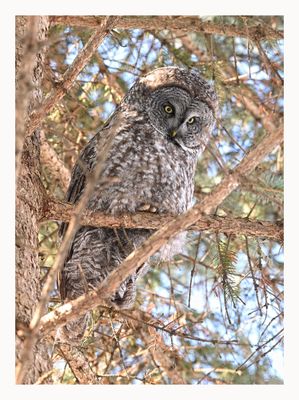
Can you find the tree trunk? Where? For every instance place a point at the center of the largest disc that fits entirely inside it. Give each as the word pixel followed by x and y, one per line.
pixel 30 35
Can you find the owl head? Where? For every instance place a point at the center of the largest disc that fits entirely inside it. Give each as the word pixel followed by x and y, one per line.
pixel 179 104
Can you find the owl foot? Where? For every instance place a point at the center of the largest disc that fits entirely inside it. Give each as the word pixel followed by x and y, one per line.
pixel 144 207
pixel 147 207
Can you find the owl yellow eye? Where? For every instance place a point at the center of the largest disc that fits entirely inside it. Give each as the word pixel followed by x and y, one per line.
pixel 191 121
pixel 168 109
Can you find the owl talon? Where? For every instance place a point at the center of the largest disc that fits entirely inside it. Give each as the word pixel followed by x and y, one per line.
pixel 153 209
pixel 144 207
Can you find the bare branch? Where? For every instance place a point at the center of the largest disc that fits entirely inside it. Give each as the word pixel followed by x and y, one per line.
pixel 71 74
pixel 183 23
pixel 58 211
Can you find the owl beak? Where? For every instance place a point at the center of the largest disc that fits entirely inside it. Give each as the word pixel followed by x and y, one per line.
pixel 172 134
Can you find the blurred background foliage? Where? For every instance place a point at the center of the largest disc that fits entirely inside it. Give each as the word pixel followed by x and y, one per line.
pixel 215 313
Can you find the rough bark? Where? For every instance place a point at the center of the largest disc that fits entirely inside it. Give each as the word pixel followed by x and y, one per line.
pixel 26 49
pixel 29 191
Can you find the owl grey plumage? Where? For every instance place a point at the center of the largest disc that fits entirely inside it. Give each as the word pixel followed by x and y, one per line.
pixel 168 118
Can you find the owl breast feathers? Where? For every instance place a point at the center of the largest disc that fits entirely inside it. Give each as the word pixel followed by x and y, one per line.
pixel 166 121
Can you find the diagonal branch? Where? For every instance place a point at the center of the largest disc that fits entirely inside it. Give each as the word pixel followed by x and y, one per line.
pixel 91 300
pixel 71 74
pixel 58 211
pixel 195 23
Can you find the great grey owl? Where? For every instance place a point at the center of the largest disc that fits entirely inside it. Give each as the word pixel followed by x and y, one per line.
pixel 168 118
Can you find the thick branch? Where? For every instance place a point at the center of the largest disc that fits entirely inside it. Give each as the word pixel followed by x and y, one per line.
pixel 191 23
pixel 58 211
pixel 71 74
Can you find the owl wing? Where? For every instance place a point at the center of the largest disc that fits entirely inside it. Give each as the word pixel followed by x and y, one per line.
pixel 87 162
pixel 83 166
